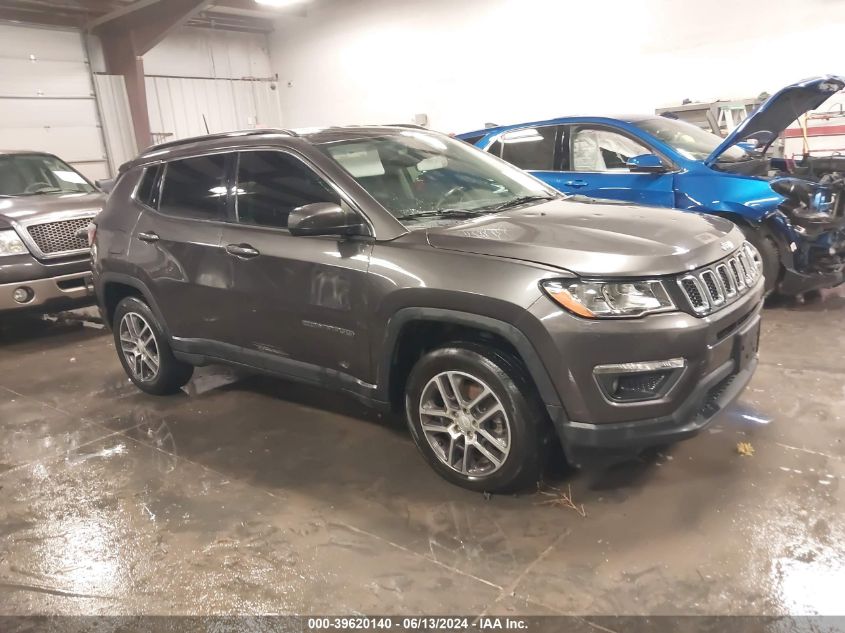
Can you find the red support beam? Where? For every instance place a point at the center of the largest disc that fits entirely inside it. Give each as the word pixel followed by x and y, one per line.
pixel 127 34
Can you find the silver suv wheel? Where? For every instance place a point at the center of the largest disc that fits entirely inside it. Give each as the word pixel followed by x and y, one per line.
pixel 139 347
pixel 465 423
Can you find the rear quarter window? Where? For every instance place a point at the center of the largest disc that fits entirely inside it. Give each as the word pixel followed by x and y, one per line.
pixel 148 188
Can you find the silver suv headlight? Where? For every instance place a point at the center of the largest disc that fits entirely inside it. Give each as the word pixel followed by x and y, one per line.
pixel 11 244
pixel 609 299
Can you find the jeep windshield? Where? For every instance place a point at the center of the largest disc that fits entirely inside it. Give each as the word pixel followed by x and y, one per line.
pixel 39 174
pixel 689 140
pixel 421 177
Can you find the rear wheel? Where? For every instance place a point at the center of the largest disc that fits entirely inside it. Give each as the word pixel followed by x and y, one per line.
pixel 769 257
pixel 476 420
pixel 144 351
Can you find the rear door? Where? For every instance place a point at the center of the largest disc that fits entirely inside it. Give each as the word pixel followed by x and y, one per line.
pixel 176 243
pixel 300 301
pixel 594 165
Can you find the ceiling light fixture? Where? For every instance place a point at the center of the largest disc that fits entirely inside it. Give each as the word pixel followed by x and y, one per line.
pixel 278 4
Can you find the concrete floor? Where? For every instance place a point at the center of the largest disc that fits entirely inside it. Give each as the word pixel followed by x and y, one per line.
pixel 260 496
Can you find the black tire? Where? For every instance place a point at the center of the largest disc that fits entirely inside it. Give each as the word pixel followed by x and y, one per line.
pixel 527 421
pixel 170 374
pixel 769 254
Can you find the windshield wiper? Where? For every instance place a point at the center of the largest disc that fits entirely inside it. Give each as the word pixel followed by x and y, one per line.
pixel 450 213
pixel 523 200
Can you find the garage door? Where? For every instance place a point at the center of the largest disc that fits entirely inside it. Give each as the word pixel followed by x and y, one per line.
pixel 47 101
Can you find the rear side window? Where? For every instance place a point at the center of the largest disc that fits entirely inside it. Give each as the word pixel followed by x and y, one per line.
pixel 195 188
pixel 272 184
pixel 530 148
pixel 148 188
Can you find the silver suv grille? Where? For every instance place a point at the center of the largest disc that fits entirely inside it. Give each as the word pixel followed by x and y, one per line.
pixel 722 283
pixel 60 237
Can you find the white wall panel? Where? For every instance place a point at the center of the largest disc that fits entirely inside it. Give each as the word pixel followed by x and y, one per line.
pixel 211 54
pixel 466 63
pixel 117 119
pixel 47 99
pixel 177 106
pixel 44 78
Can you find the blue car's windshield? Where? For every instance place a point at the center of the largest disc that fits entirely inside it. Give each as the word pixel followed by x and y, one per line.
pixel 689 140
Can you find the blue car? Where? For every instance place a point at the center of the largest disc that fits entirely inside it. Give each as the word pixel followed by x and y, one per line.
pixel 792 211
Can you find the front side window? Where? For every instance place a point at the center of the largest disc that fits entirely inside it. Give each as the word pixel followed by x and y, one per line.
pixel 603 150
pixel 39 175
pixel 416 174
pixel 530 148
pixel 195 188
pixel 272 184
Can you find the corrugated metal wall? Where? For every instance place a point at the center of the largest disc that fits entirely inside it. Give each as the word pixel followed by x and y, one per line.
pixel 47 100
pixel 177 105
pixel 117 119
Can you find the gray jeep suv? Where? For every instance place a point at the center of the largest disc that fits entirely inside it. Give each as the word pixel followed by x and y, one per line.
pixel 45 207
pixel 413 271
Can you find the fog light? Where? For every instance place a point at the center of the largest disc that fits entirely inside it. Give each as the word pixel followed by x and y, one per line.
pixel 633 382
pixel 23 294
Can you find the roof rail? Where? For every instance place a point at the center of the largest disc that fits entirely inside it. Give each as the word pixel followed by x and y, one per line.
pixel 218 136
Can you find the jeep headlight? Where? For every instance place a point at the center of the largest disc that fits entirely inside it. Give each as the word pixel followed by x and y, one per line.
pixel 609 299
pixel 11 244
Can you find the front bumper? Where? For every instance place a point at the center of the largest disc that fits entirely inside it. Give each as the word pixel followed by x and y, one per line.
pixel 720 351
pixel 52 293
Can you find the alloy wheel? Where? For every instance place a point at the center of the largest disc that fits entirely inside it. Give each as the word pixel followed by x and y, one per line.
pixel 465 423
pixel 139 347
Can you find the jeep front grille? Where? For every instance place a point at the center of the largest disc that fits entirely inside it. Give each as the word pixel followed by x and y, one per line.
pixel 708 289
pixel 59 238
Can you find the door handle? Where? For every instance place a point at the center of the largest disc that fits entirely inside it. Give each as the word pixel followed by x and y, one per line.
pixel 152 236
pixel 575 183
pixel 244 251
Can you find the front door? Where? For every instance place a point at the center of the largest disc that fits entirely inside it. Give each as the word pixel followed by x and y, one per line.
pixel 301 302
pixel 594 166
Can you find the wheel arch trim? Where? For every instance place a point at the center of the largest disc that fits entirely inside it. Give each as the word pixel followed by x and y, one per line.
pixel 397 322
pixel 133 282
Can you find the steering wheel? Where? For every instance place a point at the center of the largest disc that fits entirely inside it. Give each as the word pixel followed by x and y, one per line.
pixel 457 193
pixel 37 186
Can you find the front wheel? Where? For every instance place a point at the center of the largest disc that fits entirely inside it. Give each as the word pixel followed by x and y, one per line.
pixel 769 257
pixel 476 419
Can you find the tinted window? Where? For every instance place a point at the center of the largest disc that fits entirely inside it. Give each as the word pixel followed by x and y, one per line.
pixel 531 148
pixel 272 184
pixel 148 189
pixel 603 150
pixel 195 187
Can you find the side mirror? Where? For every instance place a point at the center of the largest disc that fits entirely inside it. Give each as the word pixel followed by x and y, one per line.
pixel 106 184
pixel 646 163
pixel 324 218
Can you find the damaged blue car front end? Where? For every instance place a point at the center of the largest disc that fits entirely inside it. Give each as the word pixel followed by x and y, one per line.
pixel 793 211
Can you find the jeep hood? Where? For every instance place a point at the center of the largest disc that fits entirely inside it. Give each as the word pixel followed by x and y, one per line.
pixel 780 110
pixel 592 238
pixel 25 208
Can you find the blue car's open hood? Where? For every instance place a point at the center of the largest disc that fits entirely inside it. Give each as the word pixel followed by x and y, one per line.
pixel 780 110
